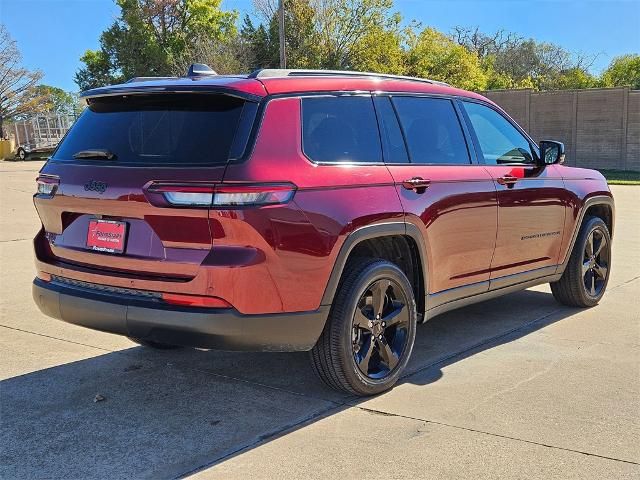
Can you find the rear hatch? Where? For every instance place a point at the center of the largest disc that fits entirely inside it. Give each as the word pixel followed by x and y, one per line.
pixel 104 204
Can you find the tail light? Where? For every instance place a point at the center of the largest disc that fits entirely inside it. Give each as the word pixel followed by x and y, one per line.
pixel 185 195
pixel 47 185
pixel 243 195
pixel 194 301
pixel 224 195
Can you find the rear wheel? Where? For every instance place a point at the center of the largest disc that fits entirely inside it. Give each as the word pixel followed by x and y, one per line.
pixel 152 344
pixel 585 278
pixel 21 154
pixel 369 335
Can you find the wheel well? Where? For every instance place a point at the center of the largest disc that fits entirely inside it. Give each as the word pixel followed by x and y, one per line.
pixel 602 211
pixel 401 250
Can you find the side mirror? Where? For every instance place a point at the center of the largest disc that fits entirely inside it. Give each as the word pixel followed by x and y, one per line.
pixel 551 152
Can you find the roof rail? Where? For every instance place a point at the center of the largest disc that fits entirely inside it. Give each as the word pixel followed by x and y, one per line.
pixel 147 79
pixel 282 72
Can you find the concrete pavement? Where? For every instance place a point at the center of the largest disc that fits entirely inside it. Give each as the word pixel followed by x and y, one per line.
pixel 517 387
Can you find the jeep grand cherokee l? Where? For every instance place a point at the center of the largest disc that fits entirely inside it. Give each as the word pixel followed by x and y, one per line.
pixel 307 210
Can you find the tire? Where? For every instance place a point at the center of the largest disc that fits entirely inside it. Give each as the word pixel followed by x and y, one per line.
pixel 154 345
pixel 358 352
pixel 21 154
pixel 585 278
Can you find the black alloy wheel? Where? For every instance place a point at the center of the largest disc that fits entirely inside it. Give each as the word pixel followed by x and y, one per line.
pixel 380 329
pixel 586 274
pixel 368 337
pixel 595 262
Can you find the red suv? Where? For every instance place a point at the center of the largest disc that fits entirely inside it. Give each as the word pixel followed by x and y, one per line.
pixel 307 210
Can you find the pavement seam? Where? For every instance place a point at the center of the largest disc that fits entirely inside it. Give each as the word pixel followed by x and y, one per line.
pixel 15 240
pixel 260 439
pixel 507 437
pixel 499 336
pixel 271 387
pixel 481 343
pixel 627 282
pixel 59 339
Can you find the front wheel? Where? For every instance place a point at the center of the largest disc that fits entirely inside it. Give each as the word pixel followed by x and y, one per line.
pixel 369 335
pixel 585 278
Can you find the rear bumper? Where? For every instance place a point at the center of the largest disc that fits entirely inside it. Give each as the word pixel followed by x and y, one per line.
pixel 224 329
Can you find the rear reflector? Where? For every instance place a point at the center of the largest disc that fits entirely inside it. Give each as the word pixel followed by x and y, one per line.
pixel 44 276
pixel 194 301
pixel 225 195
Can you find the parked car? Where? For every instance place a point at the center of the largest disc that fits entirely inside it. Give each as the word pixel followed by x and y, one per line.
pixel 322 211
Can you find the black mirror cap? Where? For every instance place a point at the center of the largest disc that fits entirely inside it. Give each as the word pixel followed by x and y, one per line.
pixel 551 152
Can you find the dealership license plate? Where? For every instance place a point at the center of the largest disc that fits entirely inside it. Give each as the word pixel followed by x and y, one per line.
pixel 106 236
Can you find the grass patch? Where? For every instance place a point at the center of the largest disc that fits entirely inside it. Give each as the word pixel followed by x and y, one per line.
pixel 621 177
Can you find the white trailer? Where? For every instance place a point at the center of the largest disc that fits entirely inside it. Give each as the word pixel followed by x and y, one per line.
pixel 40 134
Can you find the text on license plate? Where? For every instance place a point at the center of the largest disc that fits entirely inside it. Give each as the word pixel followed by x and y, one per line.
pixel 106 236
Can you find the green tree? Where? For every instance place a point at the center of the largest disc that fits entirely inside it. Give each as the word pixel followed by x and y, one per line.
pixel 572 79
pixel 511 61
pixel 380 50
pixel 302 43
pixel 332 34
pixel 58 101
pixel 433 55
pixel 262 51
pixel 148 37
pixel 623 71
pixel 346 26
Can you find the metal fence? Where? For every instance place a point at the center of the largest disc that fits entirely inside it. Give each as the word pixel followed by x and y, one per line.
pixel 600 127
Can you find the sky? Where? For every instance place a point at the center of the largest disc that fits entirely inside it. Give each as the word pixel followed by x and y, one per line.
pixel 53 34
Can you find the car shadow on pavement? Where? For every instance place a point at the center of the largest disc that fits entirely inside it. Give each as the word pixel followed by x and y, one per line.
pixel 165 414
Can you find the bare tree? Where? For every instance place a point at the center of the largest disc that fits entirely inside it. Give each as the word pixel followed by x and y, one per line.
pixel 485 44
pixel 18 95
pixel 225 57
pixel 341 24
pixel 265 10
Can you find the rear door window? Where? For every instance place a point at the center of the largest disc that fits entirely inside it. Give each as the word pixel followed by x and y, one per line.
pixel 432 130
pixel 340 129
pixel 162 129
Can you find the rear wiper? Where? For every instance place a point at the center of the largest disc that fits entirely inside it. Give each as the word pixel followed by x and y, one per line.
pixel 95 153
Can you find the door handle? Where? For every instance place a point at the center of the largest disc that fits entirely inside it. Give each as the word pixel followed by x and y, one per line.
pixel 508 180
pixel 417 184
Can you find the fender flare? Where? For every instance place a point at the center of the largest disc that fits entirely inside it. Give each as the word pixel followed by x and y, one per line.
pixel 365 233
pixel 588 203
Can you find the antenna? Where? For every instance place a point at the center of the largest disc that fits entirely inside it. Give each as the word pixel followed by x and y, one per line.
pixel 200 69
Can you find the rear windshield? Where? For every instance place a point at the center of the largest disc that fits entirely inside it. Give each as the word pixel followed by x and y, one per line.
pixel 158 129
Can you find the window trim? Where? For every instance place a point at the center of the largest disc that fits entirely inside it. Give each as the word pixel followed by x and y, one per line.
pixel 480 156
pixel 384 138
pixel 471 151
pixel 334 95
